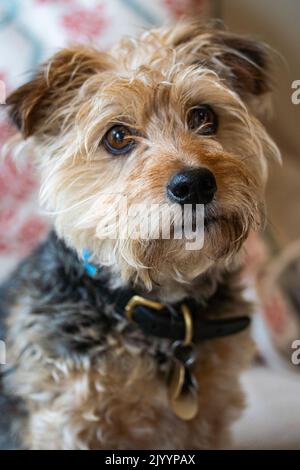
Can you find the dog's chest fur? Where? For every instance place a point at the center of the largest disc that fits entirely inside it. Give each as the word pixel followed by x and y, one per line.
pixel 89 379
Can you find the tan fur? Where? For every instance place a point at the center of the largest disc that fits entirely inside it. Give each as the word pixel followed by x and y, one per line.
pixel 149 83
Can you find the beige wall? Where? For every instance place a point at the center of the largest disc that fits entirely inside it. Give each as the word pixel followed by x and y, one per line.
pixel 278 23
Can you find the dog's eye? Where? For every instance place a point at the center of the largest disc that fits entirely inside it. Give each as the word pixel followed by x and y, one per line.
pixel 203 120
pixel 119 140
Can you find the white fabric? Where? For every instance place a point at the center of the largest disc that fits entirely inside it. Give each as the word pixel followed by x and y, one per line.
pixel 272 417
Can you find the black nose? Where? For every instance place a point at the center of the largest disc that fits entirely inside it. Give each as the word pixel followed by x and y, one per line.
pixel 194 186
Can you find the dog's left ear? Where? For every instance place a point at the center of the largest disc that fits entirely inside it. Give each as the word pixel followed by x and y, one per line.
pixel 244 62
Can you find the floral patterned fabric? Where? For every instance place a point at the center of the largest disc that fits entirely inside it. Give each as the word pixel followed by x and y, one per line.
pixel 31 31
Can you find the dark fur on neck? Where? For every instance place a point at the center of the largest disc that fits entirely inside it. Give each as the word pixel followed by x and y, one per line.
pixel 71 304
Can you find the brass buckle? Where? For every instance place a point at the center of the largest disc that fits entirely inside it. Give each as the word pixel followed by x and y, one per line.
pixel 138 300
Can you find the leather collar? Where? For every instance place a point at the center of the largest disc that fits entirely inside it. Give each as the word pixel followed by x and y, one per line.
pixel 168 320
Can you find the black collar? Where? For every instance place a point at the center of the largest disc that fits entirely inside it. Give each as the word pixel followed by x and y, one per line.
pixel 167 320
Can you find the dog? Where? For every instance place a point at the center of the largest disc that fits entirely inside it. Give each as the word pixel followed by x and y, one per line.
pixel 129 342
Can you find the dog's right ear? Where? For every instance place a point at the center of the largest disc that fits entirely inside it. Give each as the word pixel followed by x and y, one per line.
pixel 52 88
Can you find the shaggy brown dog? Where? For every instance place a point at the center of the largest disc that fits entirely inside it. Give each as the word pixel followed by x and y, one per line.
pixel 167 118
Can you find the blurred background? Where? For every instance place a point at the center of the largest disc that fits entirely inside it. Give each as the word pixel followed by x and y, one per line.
pixel 32 30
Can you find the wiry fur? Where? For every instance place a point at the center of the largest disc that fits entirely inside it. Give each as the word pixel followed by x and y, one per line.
pixel 112 395
pixel 91 379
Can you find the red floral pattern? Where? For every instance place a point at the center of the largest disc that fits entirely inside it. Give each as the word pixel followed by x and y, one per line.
pixel 180 8
pixel 6 131
pixel 16 184
pixel 84 24
pixel 45 2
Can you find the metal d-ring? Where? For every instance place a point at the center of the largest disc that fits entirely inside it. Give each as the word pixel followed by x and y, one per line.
pixel 188 321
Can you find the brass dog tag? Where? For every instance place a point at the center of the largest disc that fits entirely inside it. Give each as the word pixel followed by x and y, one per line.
pixel 186 405
pixel 182 386
pixel 176 380
pixel 182 391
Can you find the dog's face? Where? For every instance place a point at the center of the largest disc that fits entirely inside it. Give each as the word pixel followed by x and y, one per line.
pixel 162 120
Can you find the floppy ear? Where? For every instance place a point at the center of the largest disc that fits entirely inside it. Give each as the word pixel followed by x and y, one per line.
pixel 246 62
pixel 242 61
pixel 54 85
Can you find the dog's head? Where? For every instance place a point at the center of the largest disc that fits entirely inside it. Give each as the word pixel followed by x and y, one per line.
pixel 165 120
